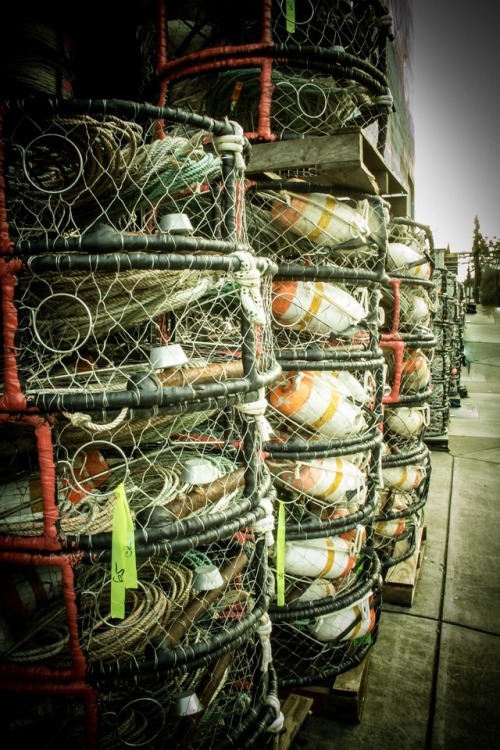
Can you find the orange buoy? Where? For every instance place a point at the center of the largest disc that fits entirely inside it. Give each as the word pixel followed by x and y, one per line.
pixel 415 370
pixel 315 306
pixel 310 400
pixel 90 471
pixel 321 218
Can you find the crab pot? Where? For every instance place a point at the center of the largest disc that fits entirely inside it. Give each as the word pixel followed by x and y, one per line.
pixel 323 637
pixel 277 76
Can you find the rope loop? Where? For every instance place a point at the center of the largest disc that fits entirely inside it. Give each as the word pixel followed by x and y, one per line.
pixel 257 409
pixel 266 524
pixel 233 143
pixel 248 278
pixel 277 725
pixel 78 419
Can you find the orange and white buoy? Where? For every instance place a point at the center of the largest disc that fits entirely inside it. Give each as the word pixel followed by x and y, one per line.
pixel 328 557
pixel 351 622
pixel 321 218
pixel 315 306
pixel 333 480
pixel 346 384
pixel 89 471
pixel 310 400
pixel 401 257
pixel 415 308
pixel 406 478
pixel 415 370
pixel 391 528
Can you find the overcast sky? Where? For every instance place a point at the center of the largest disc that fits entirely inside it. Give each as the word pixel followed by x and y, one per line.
pixel 456 72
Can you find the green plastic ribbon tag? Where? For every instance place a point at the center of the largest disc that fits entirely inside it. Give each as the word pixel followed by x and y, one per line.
pixel 123 562
pixel 290 16
pixel 280 556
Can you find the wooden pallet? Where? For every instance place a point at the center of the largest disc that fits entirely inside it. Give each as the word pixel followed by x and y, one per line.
pixel 345 159
pixel 295 709
pixel 342 699
pixel 400 581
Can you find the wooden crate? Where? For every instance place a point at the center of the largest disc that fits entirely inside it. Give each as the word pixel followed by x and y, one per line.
pixel 341 699
pixel 400 581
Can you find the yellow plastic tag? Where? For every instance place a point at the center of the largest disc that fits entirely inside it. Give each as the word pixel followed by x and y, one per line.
pixel 280 556
pixel 123 562
pixel 290 16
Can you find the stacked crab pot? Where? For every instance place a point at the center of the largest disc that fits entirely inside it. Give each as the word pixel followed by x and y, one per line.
pixel 280 70
pixel 407 340
pixel 449 352
pixel 135 506
pixel 324 414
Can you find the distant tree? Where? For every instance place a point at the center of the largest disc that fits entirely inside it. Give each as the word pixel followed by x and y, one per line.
pixel 486 260
pixel 477 246
pixel 490 286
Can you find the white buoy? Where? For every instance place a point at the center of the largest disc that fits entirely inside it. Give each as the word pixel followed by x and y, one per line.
pixel 407 421
pixel 328 557
pixel 401 257
pixel 346 624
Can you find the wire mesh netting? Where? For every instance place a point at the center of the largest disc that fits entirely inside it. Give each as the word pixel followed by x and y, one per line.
pixel 279 72
pixel 401 498
pixel 408 371
pixel 360 27
pixel 176 332
pixel 322 411
pixel 229 705
pixel 296 225
pixel 303 102
pixel 409 308
pixel 325 629
pixel 48 714
pixel 324 493
pixel 178 601
pixel 184 476
pixel 71 170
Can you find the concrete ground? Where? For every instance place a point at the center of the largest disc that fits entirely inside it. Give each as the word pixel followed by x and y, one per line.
pixel 433 680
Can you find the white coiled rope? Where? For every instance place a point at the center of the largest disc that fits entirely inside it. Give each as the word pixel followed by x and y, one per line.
pixel 257 410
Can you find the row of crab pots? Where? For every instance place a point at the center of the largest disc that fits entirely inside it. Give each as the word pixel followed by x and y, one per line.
pixel 449 352
pixel 408 344
pixel 278 72
pixel 451 315
pixel 135 508
pixel 323 416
